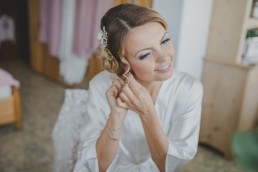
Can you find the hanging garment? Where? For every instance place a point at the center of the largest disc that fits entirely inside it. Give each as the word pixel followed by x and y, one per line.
pixel 102 8
pixel 72 67
pixel 88 16
pixel 7 29
pixel 44 20
pixel 50 18
pixel 85 17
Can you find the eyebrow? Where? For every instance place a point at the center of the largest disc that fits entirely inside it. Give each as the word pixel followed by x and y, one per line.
pixel 149 47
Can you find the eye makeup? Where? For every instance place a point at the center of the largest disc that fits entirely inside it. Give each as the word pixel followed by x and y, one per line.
pixel 144 55
pixel 147 52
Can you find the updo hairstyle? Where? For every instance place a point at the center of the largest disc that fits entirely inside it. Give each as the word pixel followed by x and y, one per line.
pixel 118 21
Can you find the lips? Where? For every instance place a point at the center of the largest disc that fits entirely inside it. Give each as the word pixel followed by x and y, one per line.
pixel 164 68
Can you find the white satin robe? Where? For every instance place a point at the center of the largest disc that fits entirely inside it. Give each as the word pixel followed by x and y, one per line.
pixel 178 107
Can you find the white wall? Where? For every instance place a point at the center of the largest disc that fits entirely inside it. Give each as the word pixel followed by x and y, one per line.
pixel 188 22
pixel 171 10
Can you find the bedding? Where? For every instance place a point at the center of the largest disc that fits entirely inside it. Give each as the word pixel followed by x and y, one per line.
pixel 6 83
pixel 5 92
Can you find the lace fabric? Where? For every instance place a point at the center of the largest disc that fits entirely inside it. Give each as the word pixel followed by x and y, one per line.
pixel 66 132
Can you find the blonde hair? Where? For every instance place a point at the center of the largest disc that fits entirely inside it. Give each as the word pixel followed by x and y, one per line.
pixel 118 21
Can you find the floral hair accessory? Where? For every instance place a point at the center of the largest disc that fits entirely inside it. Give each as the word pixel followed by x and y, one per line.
pixel 102 37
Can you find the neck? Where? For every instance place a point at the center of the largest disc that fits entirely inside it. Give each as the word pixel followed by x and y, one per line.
pixel 152 87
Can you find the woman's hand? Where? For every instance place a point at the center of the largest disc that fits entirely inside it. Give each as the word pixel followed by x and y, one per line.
pixel 114 100
pixel 135 97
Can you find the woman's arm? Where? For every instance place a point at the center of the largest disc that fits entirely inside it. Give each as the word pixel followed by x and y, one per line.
pixel 107 143
pixel 156 139
pixel 136 98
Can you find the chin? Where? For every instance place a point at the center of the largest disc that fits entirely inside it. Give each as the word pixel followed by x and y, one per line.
pixel 166 75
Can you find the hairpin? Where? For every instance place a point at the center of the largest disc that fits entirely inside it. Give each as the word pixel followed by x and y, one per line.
pixel 102 37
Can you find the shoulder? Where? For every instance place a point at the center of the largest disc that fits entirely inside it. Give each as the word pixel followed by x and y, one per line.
pixel 185 89
pixel 187 92
pixel 103 76
pixel 188 83
pixel 101 81
pixel 97 91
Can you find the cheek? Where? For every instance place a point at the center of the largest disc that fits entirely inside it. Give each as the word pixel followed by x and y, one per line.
pixel 170 49
pixel 143 68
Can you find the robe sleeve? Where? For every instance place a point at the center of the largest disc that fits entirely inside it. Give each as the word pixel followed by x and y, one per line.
pixel 97 111
pixel 184 133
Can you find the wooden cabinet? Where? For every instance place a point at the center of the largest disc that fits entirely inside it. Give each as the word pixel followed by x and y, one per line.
pixel 230 100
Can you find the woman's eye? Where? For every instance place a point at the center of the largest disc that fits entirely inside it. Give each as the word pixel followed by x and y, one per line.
pixel 144 56
pixel 165 41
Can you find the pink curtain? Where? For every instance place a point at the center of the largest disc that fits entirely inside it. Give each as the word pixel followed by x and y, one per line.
pixel 50 27
pixel 87 22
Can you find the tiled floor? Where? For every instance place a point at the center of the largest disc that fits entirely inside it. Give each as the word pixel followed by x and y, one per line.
pixel 31 149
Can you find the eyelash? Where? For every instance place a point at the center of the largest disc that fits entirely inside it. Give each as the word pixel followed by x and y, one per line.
pixel 165 41
pixel 147 54
pixel 144 56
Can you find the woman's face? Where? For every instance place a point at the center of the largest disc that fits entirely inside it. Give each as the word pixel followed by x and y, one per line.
pixel 150 53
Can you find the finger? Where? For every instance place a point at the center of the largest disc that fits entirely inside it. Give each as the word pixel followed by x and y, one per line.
pixel 120 103
pixel 112 91
pixel 115 90
pixel 125 78
pixel 134 85
pixel 121 81
pixel 118 84
pixel 123 97
pixel 128 92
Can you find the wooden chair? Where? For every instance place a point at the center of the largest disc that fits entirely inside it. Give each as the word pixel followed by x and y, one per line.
pixel 10 109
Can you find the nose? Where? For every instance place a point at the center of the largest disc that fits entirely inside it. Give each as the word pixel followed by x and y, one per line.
pixel 160 56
